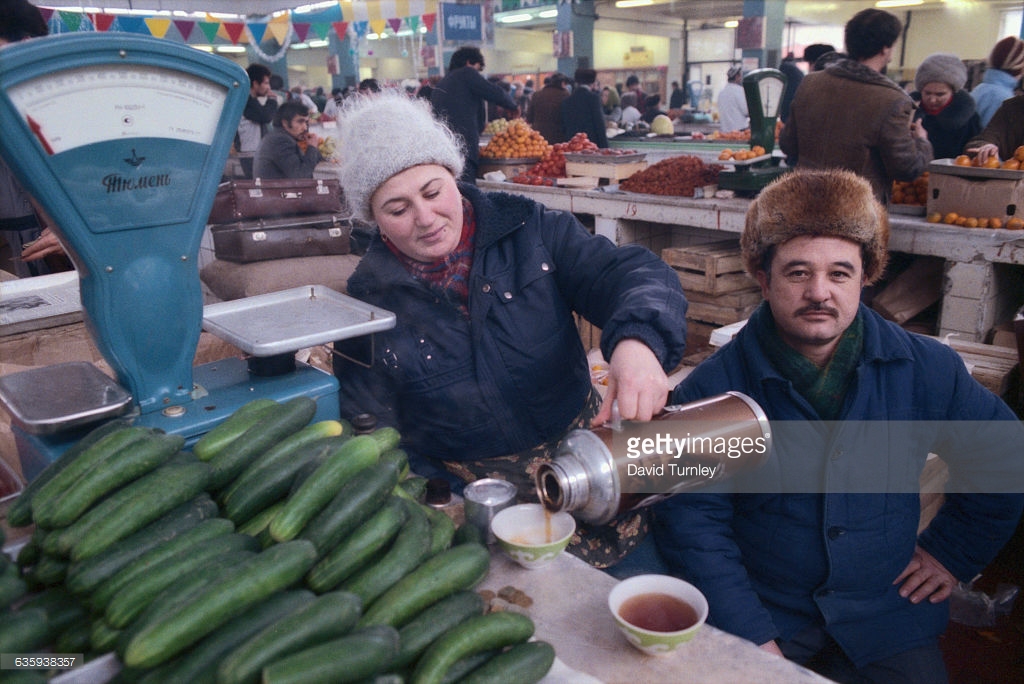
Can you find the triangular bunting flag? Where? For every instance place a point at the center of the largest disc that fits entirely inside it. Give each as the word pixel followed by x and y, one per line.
pixel 428 20
pixel 210 29
pixel 257 30
pixel 378 25
pixel 413 22
pixel 360 27
pixel 321 29
pixel 184 28
pixel 71 20
pixel 158 27
pixel 102 22
pixel 395 24
pixel 301 31
pixel 132 25
pixel 234 31
pixel 46 12
pixel 340 28
pixel 279 31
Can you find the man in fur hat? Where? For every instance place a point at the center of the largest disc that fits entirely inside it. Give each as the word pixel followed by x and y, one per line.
pixel 851 116
pixel 817 555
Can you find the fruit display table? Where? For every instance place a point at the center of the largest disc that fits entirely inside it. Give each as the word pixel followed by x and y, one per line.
pixel 983 268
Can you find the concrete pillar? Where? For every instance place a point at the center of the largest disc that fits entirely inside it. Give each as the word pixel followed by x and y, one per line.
pixel 773 14
pixel 579 18
pixel 348 60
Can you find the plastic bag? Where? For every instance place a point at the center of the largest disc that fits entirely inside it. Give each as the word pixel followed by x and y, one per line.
pixel 974 608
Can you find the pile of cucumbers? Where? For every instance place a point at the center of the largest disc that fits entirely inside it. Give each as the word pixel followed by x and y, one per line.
pixel 277 549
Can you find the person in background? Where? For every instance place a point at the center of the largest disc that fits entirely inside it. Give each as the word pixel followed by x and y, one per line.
pixel 814 52
pixel 610 104
pixel 368 86
pixel 258 115
pixel 495 111
pixel 545 113
pixel 794 75
pixel 633 86
pixel 677 98
pixel 851 116
pixel 319 98
pixel 523 98
pixel 946 110
pixel 1004 133
pixel 289 150
pixel 581 111
pixel 333 106
pixel 459 98
pixel 485 371
pixel 652 108
pixel 29 239
pixel 630 113
pixel 817 556
pixel 732 102
pixel 1005 68
pixel 297 94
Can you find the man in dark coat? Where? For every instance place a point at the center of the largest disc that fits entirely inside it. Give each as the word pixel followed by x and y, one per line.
pixel 545 113
pixel 581 111
pixel 458 99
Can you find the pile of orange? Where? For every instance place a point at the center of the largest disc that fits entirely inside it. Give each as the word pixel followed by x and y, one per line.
pixel 741 155
pixel 1014 163
pixel 954 219
pixel 732 135
pixel 913 192
pixel 517 141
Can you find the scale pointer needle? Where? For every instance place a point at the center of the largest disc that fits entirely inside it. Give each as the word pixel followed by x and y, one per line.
pixel 38 131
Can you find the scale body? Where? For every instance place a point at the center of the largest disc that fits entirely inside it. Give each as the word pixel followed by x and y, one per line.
pixel 122 139
pixel 764 89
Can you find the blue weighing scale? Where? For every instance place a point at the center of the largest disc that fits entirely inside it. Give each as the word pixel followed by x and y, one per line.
pixel 122 139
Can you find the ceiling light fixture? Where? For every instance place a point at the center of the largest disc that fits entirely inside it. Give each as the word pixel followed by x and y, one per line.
pixel 633 3
pixel 515 18
pixel 732 23
pixel 547 14
pixel 898 3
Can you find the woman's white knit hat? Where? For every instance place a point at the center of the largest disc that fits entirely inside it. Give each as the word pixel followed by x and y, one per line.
pixel 385 134
pixel 942 67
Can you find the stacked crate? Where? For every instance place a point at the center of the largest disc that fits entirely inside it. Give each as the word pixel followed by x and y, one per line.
pixel 717 288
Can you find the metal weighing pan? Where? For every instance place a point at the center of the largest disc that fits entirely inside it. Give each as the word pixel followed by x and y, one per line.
pixel 289 320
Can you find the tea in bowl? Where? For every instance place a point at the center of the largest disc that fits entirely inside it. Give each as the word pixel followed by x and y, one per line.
pixel 657 613
pixel 531 535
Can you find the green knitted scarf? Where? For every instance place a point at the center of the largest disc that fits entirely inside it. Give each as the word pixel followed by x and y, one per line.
pixel 824 388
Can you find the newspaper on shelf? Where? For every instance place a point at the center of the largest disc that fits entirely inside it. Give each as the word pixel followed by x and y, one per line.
pixel 42 302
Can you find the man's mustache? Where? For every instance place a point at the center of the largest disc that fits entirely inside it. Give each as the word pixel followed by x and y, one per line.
pixel 817 308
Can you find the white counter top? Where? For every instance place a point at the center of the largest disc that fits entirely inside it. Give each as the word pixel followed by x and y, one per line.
pixel 570 610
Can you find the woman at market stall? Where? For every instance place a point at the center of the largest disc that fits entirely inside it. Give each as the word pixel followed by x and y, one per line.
pixel 1003 134
pixel 946 111
pixel 485 370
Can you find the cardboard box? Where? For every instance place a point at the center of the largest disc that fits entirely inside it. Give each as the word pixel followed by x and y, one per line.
pixel 976 195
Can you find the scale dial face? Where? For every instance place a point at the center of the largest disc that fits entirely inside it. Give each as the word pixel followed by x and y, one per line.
pixel 771 90
pixel 120 102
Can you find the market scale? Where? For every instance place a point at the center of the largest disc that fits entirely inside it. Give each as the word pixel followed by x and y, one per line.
pixel 122 140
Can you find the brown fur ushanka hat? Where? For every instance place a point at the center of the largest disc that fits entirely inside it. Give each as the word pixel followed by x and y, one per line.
pixel 829 203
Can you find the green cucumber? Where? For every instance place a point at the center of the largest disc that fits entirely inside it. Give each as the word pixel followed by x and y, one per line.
pixel 350 658
pixel 338 467
pixel 357 548
pixel 275 425
pixel 62 609
pixel 329 616
pixel 525 663
pixel 459 568
pixel 19 514
pixel 33 548
pixel 415 487
pixel 408 550
pixel 182 591
pixel 133 598
pixel 232 427
pixel 12 588
pixel 355 502
pixel 434 621
pixel 155 558
pixel 268 478
pixel 266 573
pixel 102 636
pixel 136 505
pixel 75 638
pixel 199 664
pixel 127 464
pixel 48 571
pixel 479 633
pixel 468 532
pixel 24 631
pixel 399 457
pixel 462 667
pixel 84 576
pixel 387 437
pixel 48 494
pixel 255 525
pixel 442 530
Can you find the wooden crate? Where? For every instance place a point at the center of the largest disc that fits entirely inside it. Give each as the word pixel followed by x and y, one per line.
pixel 715 313
pixel 711 268
pixel 614 172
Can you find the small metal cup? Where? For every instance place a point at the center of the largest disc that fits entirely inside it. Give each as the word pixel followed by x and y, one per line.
pixel 483 499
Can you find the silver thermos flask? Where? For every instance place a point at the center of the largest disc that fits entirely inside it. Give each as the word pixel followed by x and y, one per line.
pixel 600 473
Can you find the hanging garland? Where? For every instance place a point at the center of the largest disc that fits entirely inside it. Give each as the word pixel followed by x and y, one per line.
pixel 271 59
